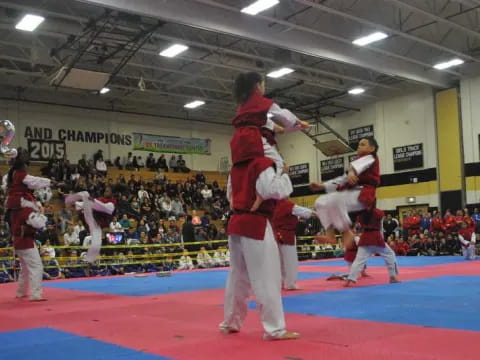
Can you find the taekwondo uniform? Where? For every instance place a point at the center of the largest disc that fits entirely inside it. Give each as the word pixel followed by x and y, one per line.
pixel 285 220
pixel 25 221
pixel 254 260
pixel 20 193
pixel 371 242
pixel 468 239
pixel 97 214
pixel 343 198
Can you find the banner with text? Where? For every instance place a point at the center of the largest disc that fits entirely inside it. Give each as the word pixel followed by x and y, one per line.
pixel 299 174
pixel 355 135
pixel 408 157
pixel 170 144
pixel 332 168
pixel 44 150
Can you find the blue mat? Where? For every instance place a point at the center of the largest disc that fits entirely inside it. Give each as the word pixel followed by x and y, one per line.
pixel 152 285
pixel 444 302
pixel 51 344
pixel 402 261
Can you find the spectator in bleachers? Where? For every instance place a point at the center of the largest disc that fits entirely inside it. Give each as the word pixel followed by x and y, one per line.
pixel 150 162
pixel 177 208
pixel 200 178
pixel 70 237
pixel 82 165
pixel 205 220
pixel 425 221
pixel 47 250
pixel 167 207
pixel 450 223
pixel 172 164
pixel 4 233
pixel 133 238
pixel 115 226
pixel 78 228
pixel 118 163
pixel 101 166
pixel 390 226
pixel 48 234
pixel 140 163
pixel 72 267
pixel 162 163
pixel 181 165
pixel 401 247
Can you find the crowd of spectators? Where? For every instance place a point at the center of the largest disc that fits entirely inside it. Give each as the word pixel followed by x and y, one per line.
pixel 150 217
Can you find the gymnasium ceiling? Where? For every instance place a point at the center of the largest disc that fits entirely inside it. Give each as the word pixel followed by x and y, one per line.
pixel 123 38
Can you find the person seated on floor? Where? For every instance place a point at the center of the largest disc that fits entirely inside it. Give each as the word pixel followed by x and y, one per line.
pixel 185 262
pixel 74 266
pixel 51 268
pixel 204 260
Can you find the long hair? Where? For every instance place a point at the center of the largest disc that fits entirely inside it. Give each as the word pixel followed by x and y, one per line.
pixel 244 86
pixel 19 163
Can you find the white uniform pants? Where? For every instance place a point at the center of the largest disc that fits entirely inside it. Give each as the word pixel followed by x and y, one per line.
pixel 289 261
pixel 469 253
pixel 31 273
pixel 83 202
pixel 333 208
pixel 364 253
pixel 254 264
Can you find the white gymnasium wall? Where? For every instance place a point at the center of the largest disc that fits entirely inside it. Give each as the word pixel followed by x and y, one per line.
pixel 398 121
pixel 24 114
pixel 470 112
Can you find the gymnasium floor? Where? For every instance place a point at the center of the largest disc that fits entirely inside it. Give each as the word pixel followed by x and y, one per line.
pixel 433 314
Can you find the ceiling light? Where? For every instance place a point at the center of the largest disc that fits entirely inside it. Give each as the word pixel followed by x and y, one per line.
pixel 447 64
pixel 29 22
pixel 280 72
pixel 174 50
pixel 356 91
pixel 259 6
pixel 194 104
pixel 104 90
pixel 365 40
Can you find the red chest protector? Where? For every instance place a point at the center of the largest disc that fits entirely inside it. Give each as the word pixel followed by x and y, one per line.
pixel 243 179
pixel 18 190
pixel 22 234
pixel 369 180
pixel 284 223
pixel 372 235
pixel 466 234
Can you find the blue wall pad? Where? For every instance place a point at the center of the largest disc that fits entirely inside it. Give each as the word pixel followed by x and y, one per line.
pixel 152 285
pixel 444 302
pixel 402 261
pixel 51 344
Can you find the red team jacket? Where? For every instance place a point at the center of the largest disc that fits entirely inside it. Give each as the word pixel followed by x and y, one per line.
pixel 372 234
pixel 254 113
pixel 369 180
pixel 18 190
pixel 436 225
pixel 248 164
pixel 284 222
pixel 450 223
pixel 22 234
pixel 413 224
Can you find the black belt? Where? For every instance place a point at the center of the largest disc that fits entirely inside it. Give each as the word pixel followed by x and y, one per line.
pixel 241 212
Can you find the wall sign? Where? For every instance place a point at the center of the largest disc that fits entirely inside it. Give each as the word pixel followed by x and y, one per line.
pixel 332 168
pixel 408 157
pixel 355 135
pixel 299 174
pixel 44 150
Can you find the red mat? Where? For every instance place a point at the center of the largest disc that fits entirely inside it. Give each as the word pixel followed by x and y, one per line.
pixel 184 326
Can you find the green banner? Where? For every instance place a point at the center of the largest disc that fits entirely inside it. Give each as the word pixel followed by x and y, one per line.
pixel 170 144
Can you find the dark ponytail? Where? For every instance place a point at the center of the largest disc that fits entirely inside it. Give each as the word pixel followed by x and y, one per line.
pixel 18 163
pixel 245 85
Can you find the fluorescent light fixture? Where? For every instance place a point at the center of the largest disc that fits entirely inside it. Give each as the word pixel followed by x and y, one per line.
pixel 29 22
pixel 447 64
pixel 104 90
pixel 174 50
pixel 365 40
pixel 194 104
pixel 356 91
pixel 280 72
pixel 259 6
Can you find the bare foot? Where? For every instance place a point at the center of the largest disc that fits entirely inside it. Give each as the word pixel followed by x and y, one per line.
pixel 394 280
pixel 348 283
pixel 288 335
pixel 365 275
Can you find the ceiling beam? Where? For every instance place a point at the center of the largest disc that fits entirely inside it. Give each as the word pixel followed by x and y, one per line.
pixel 387 29
pixel 297 39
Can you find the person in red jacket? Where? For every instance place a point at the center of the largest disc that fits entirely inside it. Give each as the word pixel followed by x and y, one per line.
pixel 24 222
pixel 468 220
pixel 371 242
pixel 450 222
pixel 437 224
pixel 467 237
pixel 254 109
pixel 285 220
pixel 254 260
pixel 352 192
pixel 97 213
pixel 413 222
pixel 402 248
